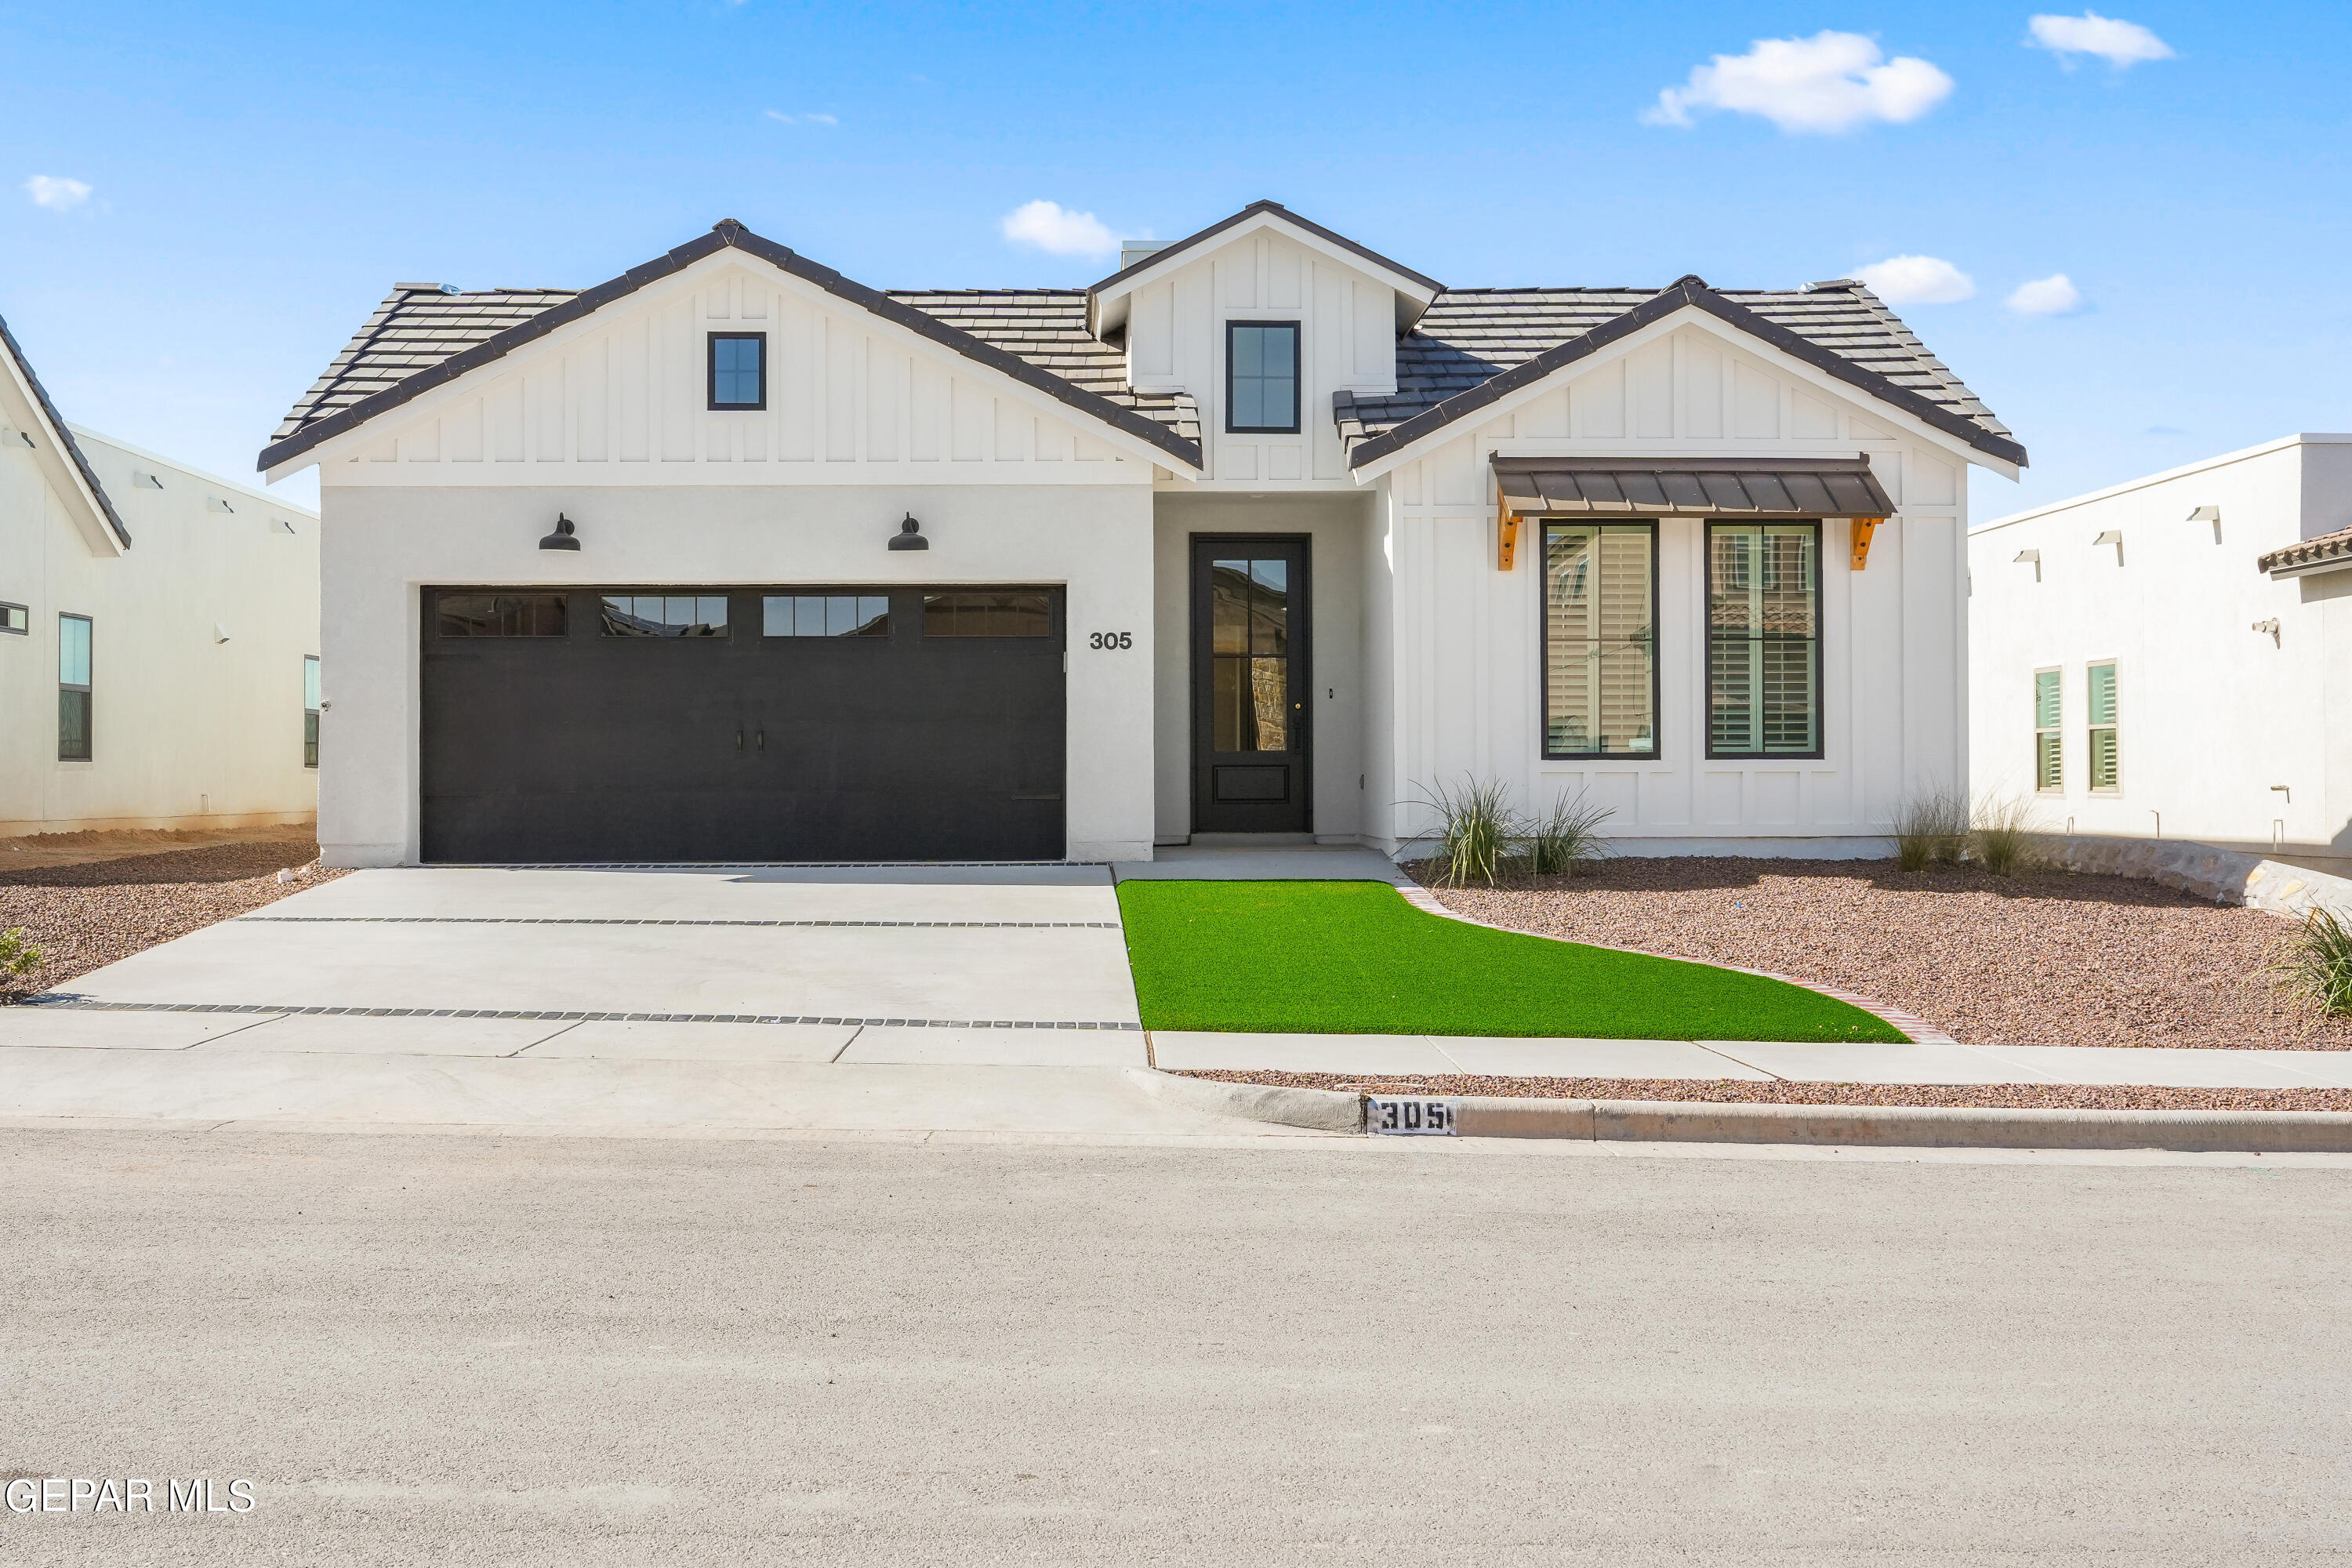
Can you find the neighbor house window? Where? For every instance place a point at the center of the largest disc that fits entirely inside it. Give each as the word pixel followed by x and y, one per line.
pixel 73 689
pixel 1262 377
pixel 665 616
pixel 1763 639
pixel 499 614
pixel 989 612
pixel 310 711
pixel 2049 753
pixel 2107 767
pixel 824 616
pixel 738 370
pixel 1600 639
pixel 16 618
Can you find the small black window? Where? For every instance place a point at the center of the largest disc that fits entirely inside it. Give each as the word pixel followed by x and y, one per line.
pixel 989 612
pixel 665 616
pixel 501 615
pixel 1262 377
pixel 16 618
pixel 824 616
pixel 73 689
pixel 310 711
pixel 738 370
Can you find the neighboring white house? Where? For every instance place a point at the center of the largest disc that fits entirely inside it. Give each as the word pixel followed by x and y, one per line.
pixel 733 558
pixel 158 633
pixel 2172 657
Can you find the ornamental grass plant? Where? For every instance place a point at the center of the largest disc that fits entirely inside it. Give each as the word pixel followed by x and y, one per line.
pixel 1931 829
pixel 1557 843
pixel 1475 829
pixel 2314 964
pixel 2001 839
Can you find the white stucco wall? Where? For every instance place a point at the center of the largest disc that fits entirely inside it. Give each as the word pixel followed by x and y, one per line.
pixel 1462 645
pixel 189 731
pixel 383 544
pixel 1338 528
pixel 2211 713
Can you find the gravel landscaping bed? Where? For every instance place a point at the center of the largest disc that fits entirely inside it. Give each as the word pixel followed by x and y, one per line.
pixel 84 916
pixel 1746 1091
pixel 2046 958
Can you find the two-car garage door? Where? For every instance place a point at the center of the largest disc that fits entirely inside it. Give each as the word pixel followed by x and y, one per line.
pixel 742 724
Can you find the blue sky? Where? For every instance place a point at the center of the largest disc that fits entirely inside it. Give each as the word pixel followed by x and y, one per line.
pixel 255 175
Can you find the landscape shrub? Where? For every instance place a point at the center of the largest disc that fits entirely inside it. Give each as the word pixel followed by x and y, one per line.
pixel 17 956
pixel 1475 829
pixel 1556 844
pixel 2317 964
pixel 1929 829
pixel 2002 838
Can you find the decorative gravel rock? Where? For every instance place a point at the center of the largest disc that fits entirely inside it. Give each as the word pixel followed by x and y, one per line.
pixel 2041 958
pixel 1747 1091
pixel 83 917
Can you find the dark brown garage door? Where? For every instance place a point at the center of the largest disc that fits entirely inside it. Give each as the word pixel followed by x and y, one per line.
pixel 742 724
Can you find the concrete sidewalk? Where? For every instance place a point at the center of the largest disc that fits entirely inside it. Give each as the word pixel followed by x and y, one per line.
pixel 1757 1061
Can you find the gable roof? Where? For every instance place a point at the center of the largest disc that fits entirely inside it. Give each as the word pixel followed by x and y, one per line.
pixel 422 337
pixel 1104 297
pixel 1476 346
pixel 46 411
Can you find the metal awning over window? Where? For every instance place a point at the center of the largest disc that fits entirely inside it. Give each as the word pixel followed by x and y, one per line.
pixel 1765 488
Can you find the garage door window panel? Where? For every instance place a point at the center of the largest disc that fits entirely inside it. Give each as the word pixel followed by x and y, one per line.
pixel 501 615
pixel 665 615
pixel 824 616
pixel 989 612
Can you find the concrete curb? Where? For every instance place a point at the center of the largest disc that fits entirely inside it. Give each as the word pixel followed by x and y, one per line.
pixel 1323 1110
pixel 1850 1126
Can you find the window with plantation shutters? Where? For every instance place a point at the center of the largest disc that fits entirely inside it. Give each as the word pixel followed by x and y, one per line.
pixel 1763 639
pixel 1600 614
pixel 2106 764
pixel 2048 751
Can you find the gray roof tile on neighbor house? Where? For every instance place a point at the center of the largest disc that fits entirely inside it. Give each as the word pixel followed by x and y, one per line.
pixel 419 325
pixel 1468 336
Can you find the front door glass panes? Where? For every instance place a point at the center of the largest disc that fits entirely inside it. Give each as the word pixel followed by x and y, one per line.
pixel 824 616
pixel 1249 635
pixel 1601 612
pixel 665 616
pixel 1763 639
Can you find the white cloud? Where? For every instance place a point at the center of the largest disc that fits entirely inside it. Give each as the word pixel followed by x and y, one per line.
pixel 779 116
pixel 2051 296
pixel 55 192
pixel 1051 228
pixel 1916 281
pixel 1829 82
pixel 2120 44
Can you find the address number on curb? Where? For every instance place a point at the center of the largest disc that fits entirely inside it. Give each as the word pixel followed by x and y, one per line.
pixel 1395 1116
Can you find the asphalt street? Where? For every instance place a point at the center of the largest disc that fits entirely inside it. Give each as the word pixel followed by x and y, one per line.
pixel 571 1350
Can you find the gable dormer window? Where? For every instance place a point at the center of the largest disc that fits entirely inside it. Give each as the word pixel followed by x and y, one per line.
pixel 1262 378
pixel 738 370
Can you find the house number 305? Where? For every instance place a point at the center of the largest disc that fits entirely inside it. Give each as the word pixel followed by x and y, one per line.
pixel 1110 639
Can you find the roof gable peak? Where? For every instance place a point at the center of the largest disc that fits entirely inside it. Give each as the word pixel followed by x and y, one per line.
pixel 1107 300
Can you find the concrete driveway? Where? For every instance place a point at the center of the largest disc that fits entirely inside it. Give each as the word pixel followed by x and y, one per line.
pixel 769 997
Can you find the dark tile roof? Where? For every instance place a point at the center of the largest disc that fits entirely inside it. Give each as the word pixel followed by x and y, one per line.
pixel 1048 327
pixel 417 326
pixel 1469 337
pixel 2325 548
pixel 63 437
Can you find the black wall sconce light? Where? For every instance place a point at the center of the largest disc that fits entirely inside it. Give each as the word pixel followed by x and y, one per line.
pixel 911 535
pixel 563 538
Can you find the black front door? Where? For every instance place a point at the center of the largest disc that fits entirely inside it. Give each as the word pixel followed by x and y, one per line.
pixel 745 724
pixel 1250 684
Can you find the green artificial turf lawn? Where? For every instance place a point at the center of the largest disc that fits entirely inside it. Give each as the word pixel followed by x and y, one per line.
pixel 1353 958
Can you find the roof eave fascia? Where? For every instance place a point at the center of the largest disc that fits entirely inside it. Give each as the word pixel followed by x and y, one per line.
pixel 1106 300
pixel 82 480
pixel 1380 453
pixel 2307 568
pixel 299 450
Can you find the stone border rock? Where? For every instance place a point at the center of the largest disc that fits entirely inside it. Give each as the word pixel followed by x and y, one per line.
pixel 1819 1126
pixel 2225 875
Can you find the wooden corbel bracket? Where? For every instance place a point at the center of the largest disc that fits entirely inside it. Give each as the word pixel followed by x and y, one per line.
pixel 1864 527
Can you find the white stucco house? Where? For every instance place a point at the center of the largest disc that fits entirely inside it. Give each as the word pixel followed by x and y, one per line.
pixel 158 634
pixel 2172 656
pixel 733 558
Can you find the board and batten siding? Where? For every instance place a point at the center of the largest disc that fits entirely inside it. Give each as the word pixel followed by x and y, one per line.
pixel 620 397
pixel 1347 342
pixel 1463 650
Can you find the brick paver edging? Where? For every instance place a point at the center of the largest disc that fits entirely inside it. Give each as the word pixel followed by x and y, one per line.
pixel 1916 1030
